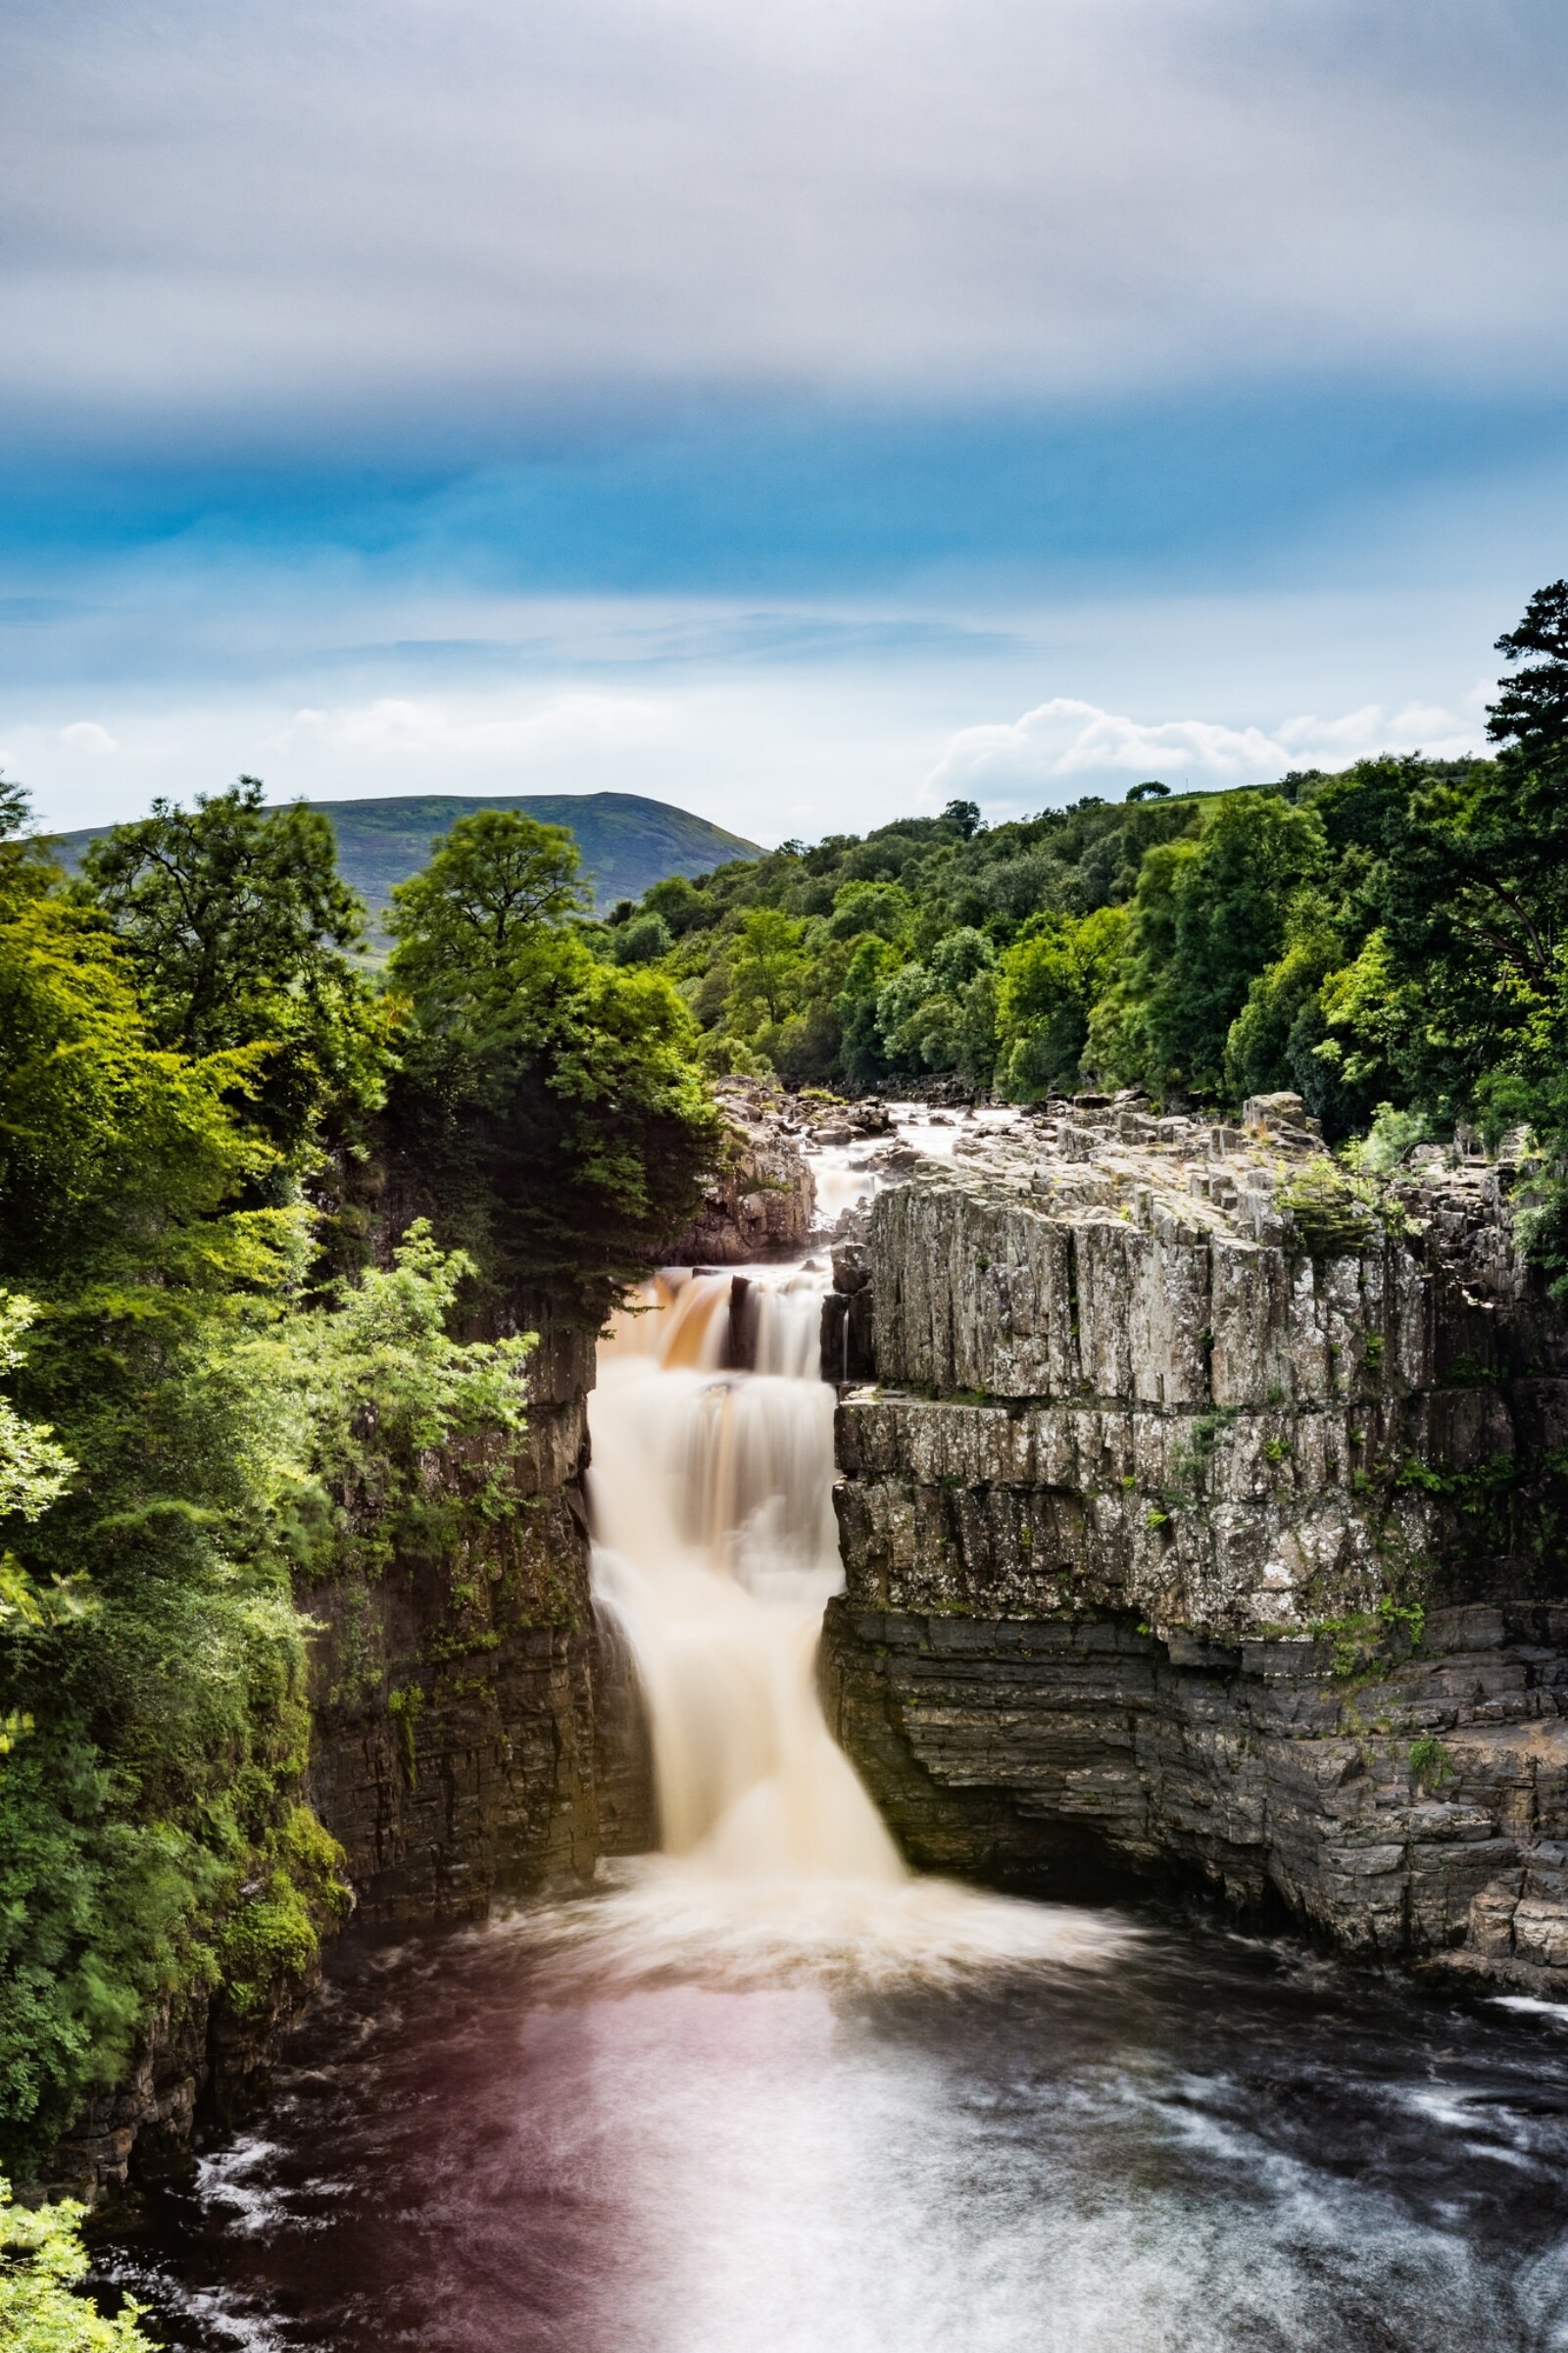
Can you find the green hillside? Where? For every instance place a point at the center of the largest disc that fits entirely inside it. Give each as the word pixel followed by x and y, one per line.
pixel 628 843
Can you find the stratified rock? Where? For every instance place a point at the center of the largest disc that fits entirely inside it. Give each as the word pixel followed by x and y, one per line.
pixel 1204 1508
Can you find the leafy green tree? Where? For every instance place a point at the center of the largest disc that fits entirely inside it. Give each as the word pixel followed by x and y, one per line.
pixel 1211 913
pixel 884 908
pixel 680 906
pixel 550 1109
pixel 42 2264
pixel 940 1015
pixel 872 963
pixel 767 970
pixel 34 1474
pixel 642 941
pixel 1050 979
pixel 1530 717
pixel 236 922
pixel 491 890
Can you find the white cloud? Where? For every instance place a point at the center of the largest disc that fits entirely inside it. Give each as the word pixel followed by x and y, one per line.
pixel 85 735
pixel 1064 747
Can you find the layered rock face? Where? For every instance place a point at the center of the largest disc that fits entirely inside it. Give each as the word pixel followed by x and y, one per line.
pixel 470 1736
pixel 471 1730
pixel 1209 1512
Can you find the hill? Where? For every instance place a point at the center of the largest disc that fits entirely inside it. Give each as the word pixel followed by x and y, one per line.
pixel 628 843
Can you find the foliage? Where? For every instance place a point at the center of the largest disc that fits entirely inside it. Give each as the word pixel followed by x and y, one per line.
pixel 371 1387
pixel 34 1473
pixel 1432 1765
pixel 42 2309
pixel 234 920
pixel 492 885
pixel 1390 1139
pixel 551 1105
pixel 1334 1216
pixel 1050 980
pixel 1210 912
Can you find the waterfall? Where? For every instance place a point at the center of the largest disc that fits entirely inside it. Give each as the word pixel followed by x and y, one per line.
pixel 716 1552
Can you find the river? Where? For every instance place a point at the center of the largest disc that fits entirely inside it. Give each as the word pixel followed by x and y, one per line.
pixel 770 2092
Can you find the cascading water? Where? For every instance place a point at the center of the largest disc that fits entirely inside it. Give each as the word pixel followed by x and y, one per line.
pixel 716 1552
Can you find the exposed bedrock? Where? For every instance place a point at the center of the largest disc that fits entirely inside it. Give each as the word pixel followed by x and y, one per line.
pixel 1207 1512
pixel 758 1202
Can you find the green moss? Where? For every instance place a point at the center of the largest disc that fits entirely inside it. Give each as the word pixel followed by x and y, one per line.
pixel 1335 1217
pixel 272 1939
pixel 1432 1767
pixel 1363 1642
pixel 405 1705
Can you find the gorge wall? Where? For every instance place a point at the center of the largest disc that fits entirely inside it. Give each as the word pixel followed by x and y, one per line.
pixel 1207 1516
pixel 469 1728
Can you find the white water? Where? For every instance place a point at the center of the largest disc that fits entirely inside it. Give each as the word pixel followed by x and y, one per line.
pixel 716 1549
pixel 715 1552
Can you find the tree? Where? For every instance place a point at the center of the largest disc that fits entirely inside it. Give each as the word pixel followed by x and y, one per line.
pixel 42 2262
pixel 487 892
pixel 549 1106
pixel 642 941
pixel 1531 714
pixel 1050 979
pixel 767 970
pixel 236 922
pixel 1209 914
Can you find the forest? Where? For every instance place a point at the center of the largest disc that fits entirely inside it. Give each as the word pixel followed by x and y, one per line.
pixel 268 1208
pixel 1388 936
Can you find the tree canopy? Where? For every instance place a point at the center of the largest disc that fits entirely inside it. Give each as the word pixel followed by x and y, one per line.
pixel 548 1101
pixel 238 929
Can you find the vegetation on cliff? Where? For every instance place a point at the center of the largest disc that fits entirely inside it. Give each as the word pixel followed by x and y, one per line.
pixel 42 2263
pixel 224 1371
pixel 1390 935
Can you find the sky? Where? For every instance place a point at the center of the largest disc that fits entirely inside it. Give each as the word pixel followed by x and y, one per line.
pixel 804 415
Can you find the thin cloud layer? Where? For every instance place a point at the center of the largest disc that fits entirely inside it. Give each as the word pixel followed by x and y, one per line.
pixel 290 218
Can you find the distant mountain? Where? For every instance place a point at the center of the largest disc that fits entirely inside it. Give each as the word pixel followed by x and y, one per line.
pixel 627 843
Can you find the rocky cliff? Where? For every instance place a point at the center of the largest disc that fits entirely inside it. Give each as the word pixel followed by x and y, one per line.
pixel 468 1734
pixel 1207 1512
pixel 760 1200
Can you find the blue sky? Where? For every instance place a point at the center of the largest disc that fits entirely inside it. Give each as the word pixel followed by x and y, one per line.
pixel 799 415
